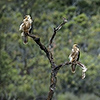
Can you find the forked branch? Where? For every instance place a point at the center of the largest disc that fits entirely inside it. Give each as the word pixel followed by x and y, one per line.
pixel 54 68
pixel 42 47
pixel 55 30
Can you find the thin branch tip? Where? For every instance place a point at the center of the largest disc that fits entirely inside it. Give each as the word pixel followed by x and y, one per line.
pixel 55 30
pixel 65 20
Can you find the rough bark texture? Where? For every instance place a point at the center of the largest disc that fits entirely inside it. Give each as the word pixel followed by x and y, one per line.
pixel 54 68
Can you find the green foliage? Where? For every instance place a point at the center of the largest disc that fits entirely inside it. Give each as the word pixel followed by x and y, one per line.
pixel 70 96
pixel 25 70
pixel 81 20
pixel 67 96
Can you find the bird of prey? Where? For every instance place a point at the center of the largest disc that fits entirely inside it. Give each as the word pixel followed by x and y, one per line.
pixel 26 28
pixel 74 56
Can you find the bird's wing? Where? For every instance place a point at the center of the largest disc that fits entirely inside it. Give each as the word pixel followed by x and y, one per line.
pixel 71 56
pixel 74 56
pixel 78 55
pixel 21 27
pixel 31 28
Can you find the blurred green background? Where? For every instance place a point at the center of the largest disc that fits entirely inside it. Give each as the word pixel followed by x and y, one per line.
pixel 25 70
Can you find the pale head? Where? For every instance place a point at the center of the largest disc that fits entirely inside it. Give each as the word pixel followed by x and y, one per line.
pixel 27 17
pixel 75 45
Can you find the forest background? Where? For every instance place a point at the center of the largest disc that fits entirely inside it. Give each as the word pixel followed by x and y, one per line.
pixel 25 70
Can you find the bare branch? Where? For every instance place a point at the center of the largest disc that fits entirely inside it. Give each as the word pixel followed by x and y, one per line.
pixel 53 79
pixel 53 82
pixel 53 65
pixel 54 68
pixel 84 69
pixel 55 30
pixel 61 65
pixel 42 47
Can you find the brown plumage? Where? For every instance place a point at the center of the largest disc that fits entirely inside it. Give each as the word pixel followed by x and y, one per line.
pixel 74 56
pixel 26 27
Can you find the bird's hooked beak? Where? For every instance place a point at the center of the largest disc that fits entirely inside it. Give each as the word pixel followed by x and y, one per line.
pixel 26 18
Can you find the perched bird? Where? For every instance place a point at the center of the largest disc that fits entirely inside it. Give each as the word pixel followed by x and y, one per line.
pixel 74 56
pixel 26 28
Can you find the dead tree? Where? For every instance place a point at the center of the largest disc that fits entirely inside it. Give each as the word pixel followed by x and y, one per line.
pixel 54 67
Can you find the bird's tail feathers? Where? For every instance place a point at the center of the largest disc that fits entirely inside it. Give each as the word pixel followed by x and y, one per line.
pixel 25 39
pixel 73 66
